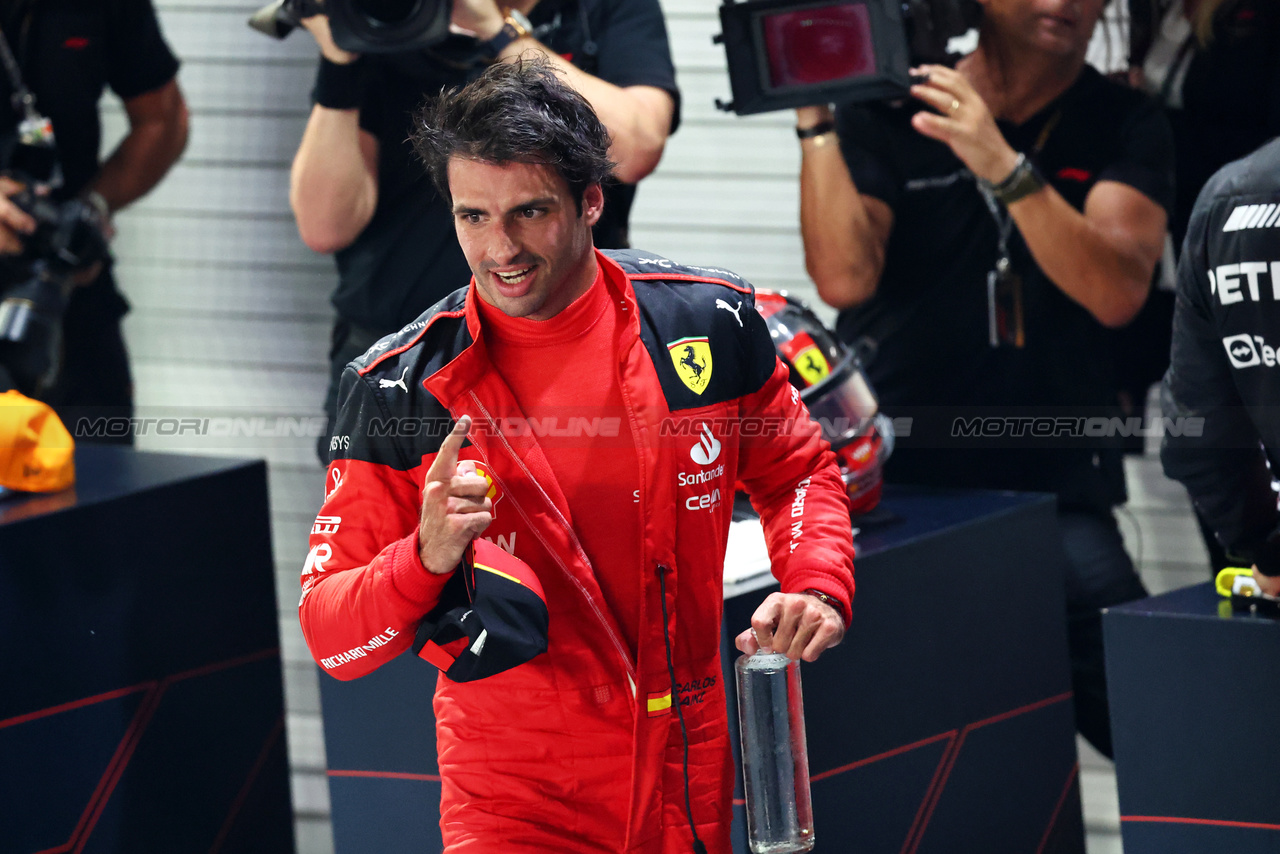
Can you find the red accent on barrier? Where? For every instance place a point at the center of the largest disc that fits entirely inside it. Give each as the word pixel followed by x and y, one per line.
pixel 911 846
pixel 1053 819
pixel 133 735
pixel 388 775
pixel 916 832
pixel 894 752
pixel 75 704
pixel 1214 822
pixel 243 795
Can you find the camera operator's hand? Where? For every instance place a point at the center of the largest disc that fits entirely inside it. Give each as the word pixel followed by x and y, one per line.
pixel 318 26
pixel 14 222
pixel 963 122
pixel 482 17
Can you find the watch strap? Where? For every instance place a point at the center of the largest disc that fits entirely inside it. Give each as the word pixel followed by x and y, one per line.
pixel 1024 180
pixel 819 129
pixel 514 26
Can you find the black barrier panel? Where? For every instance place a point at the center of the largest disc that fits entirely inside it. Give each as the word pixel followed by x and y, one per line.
pixel 143 705
pixel 1193 693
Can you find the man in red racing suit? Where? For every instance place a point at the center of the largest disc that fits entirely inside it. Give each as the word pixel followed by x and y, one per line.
pixel 580 748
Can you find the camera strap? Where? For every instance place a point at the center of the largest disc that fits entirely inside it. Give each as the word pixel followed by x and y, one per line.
pixel 23 98
pixel 1004 221
pixel 1004 286
pixel 34 129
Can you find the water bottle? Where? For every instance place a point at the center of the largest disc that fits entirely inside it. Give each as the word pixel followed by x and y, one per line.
pixel 775 761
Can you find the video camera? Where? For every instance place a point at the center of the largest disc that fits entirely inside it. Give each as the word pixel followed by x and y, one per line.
pixel 36 285
pixel 363 26
pixel 795 53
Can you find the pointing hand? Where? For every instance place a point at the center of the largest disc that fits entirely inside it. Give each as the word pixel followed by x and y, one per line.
pixel 455 506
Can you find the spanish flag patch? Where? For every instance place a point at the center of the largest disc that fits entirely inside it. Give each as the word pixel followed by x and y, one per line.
pixel 659 704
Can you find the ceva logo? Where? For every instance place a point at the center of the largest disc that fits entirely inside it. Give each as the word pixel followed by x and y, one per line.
pixel 707 451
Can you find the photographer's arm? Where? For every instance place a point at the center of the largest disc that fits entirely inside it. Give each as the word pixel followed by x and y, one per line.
pixel 638 117
pixel 333 185
pixel 157 135
pixel 844 232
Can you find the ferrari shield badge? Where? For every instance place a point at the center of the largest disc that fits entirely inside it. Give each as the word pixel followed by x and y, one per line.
pixel 692 358
pixel 812 365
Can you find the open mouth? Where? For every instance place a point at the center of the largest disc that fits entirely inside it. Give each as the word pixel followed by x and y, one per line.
pixel 514 277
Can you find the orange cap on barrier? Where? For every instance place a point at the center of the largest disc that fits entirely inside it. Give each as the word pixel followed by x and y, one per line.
pixel 36 451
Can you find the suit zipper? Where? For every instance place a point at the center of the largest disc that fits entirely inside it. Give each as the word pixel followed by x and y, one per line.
pixel 618 645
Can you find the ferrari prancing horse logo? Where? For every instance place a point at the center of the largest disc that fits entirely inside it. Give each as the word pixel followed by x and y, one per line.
pixel 692 358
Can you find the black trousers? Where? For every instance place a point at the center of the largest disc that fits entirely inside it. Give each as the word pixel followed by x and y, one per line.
pixel 1099 574
pixel 94 381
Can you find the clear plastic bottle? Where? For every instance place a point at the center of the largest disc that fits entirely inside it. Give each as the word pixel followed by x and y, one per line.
pixel 775 760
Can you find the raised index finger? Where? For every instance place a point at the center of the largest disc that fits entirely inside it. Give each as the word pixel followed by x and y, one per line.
pixel 446 462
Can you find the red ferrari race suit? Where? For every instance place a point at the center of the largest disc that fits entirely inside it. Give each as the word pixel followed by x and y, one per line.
pixel 579 748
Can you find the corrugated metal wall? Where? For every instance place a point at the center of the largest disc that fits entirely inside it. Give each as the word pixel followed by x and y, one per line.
pixel 230 314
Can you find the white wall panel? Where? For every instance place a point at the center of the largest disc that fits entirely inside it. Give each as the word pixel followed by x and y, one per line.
pixel 209 32
pixel 167 236
pixel 695 200
pixel 244 88
pixel 229 139
pixel 213 189
pixel 245 290
pixel 232 338
pixel 248 390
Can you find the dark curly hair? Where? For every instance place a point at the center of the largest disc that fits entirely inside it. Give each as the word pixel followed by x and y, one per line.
pixel 515 112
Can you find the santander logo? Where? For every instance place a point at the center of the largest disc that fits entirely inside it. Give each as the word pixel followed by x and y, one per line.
pixel 707 451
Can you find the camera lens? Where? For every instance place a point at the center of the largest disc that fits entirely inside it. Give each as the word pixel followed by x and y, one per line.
pixel 388 13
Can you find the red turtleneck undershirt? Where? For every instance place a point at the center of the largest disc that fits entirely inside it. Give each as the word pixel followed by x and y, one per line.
pixel 551 367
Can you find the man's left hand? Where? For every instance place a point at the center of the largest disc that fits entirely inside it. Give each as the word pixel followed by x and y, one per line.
pixel 964 122
pixel 797 625
pixel 1270 584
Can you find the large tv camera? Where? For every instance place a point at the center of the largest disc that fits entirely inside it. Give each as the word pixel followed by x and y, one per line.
pixel 793 53
pixel 70 237
pixel 363 26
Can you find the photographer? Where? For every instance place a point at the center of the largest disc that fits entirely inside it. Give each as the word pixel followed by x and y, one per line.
pixel 358 191
pixel 984 236
pixel 67 52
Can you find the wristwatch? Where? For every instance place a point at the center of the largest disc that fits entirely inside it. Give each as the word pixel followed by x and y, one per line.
pixel 1024 180
pixel 514 26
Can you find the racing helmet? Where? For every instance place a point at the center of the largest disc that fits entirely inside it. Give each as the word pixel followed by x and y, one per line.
pixel 836 392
